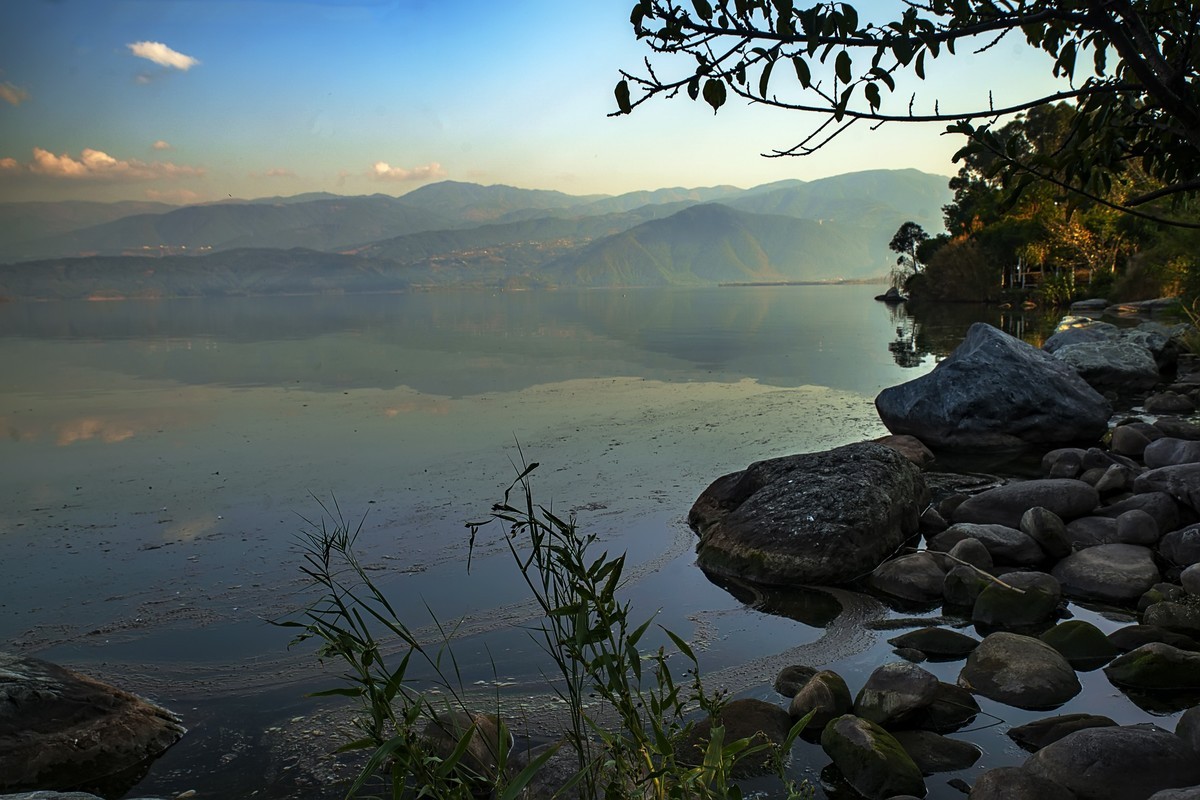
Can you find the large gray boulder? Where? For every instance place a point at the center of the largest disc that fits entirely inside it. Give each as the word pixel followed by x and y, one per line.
pixel 1180 481
pixel 995 392
pixel 817 518
pixel 58 725
pixel 1117 763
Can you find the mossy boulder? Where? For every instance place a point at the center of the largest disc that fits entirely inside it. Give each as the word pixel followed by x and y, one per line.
pixel 1156 666
pixel 1020 671
pixel 826 695
pixel 870 759
pixel 1024 599
pixel 1081 643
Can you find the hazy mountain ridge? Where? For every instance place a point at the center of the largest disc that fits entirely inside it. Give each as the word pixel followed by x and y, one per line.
pixel 785 231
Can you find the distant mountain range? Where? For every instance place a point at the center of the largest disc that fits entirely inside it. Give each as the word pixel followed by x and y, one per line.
pixel 465 234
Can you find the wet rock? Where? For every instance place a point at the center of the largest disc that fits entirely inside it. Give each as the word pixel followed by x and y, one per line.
pixel 818 518
pixel 1169 451
pixel 1080 330
pixel 759 721
pixel 1047 529
pixel 1095 763
pixel 1178 617
pixel 1005 505
pixel 1186 793
pixel 826 695
pixel 895 693
pixel 937 643
pixel 1033 736
pixel 994 392
pixel 1008 783
pixel 916 576
pixel 870 759
pixel 59 726
pixel 1030 598
pixel 1181 547
pixel 932 752
pixel 1113 573
pixel 1156 666
pixel 1020 671
pixel 1081 643
pixel 1006 545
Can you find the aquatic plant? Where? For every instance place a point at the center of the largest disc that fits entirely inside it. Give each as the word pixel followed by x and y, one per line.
pixel 628 745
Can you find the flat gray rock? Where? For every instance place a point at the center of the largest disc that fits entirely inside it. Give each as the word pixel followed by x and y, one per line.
pixel 1020 671
pixel 1005 505
pixel 1114 573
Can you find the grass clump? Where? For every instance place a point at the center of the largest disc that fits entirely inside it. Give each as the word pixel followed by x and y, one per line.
pixel 629 713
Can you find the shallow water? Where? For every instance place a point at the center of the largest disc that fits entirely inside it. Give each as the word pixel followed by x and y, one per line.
pixel 160 458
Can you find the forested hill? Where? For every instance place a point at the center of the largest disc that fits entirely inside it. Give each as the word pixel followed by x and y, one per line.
pixel 454 234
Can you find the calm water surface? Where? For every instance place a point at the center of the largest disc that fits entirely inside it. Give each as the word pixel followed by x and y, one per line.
pixel 160 459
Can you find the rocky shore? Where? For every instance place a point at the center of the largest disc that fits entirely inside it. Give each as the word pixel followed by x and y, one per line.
pixel 1113 519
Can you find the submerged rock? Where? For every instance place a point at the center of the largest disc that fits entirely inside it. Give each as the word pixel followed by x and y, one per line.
pixel 817 518
pixel 995 392
pixel 1035 735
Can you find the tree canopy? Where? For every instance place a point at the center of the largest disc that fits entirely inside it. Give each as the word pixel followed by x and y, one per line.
pixel 1130 69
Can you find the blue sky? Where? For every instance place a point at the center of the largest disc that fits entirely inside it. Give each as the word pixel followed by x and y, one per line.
pixel 197 100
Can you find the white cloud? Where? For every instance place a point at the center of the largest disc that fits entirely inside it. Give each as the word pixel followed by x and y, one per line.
pixel 279 172
pixel 13 95
pixel 162 55
pixel 98 165
pixel 161 145
pixel 383 171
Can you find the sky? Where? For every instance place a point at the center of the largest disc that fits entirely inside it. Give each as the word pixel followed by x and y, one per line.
pixel 184 101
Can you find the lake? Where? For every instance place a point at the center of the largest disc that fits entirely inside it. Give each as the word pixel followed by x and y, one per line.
pixel 162 457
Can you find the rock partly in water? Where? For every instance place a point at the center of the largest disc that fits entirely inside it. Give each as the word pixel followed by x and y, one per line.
pixel 1095 763
pixel 896 693
pixel 870 759
pixel 826 695
pixel 58 727
pixel 756 720
pixel 916 577
pixel 1081 643
pixel 1122 366
pixel 1156 666
pixel 995 392
pixel 932 752
pixel 1010 783
pixel 819 518
pixel 940 644
pixel 1113 573
pixel 1033 736
pixel 1020 671
pixel 1024 599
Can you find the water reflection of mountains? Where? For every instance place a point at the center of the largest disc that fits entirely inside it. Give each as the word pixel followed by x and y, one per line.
pixel 464 342
pixel 932 331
